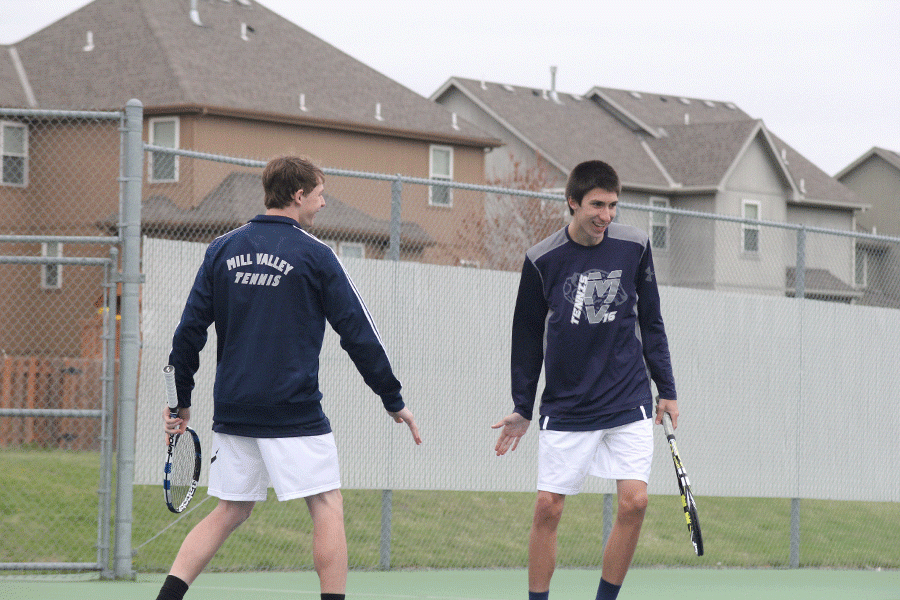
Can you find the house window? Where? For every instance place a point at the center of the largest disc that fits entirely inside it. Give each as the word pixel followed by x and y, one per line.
pixel 750 232
pixel 163 166
pixel 861 272
pixel 659 224
pixel 14 153
pixel 51 274
pixel 347 249
pixel 441 167
pixel 351 250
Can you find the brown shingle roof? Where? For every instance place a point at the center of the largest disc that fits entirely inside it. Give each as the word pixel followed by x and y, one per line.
pixel 664 109
pixel 820 282
pixel 567 129
pixel 238 198
pixel 151 50
pixel 629 129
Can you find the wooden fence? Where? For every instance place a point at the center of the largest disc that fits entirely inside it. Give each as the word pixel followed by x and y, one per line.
pixel 37 382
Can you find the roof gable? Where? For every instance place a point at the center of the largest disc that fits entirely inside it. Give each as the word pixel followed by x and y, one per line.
pixel 889 156
pixel 703 155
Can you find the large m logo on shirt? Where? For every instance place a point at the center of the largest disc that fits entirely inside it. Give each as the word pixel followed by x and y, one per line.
pixel 596 292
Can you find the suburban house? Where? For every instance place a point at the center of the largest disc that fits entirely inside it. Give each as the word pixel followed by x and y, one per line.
pixel 675 152
pixel 221 78
pixel 875 176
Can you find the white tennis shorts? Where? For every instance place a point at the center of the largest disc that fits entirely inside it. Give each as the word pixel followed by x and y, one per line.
pixel 566 458
pixel 243 468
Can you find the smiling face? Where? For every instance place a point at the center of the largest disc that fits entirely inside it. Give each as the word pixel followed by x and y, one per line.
pixel 591 218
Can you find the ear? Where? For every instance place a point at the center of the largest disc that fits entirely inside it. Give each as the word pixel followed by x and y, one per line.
pixel 572 204
pixel 297 196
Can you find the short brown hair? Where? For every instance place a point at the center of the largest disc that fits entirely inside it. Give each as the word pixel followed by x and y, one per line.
pixel 284 175
pixel 589 175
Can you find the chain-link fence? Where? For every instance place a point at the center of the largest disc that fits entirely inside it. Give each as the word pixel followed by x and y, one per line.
pixel 59 246
pixel 751 361
pixel 787 412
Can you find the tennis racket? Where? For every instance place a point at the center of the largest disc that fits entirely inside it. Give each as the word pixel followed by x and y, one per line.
pixel 182 469
pixel 687 496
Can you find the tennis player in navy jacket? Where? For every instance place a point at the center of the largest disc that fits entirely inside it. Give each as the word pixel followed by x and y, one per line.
pixel 270 287
pixel 588 312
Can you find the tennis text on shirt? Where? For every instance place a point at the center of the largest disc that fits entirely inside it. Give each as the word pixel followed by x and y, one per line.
pixel 248 278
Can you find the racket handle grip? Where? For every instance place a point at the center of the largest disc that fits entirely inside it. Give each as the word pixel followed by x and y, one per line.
pixel 667 425
pixel 171 394
pixel 667 422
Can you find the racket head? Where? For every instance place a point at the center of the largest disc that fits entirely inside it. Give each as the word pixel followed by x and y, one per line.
pixel 684 487
pixel 690 511
pixel 181 473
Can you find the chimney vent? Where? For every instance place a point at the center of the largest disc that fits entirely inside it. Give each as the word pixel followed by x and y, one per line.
pixel 89 42
pixel 195 14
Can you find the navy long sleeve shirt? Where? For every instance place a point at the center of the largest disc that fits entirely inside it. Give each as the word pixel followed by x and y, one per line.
pixel 270 287
pixel 590 315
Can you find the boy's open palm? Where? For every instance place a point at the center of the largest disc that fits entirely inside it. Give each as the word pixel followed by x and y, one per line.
pixel 514 427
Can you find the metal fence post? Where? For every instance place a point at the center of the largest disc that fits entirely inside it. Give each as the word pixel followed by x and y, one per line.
pixel 108 407
pixel 800 271
pixel 799 293
pixel 396 197
pixel 394 255
pixel 129 344
pixel 607 518
pixel 385 548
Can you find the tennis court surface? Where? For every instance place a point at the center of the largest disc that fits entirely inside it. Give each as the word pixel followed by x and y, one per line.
pixel 669 584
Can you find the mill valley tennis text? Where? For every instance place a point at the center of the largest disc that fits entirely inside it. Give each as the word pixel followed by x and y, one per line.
pixel 270 279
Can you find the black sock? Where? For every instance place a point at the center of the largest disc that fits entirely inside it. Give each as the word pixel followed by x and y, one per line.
pixel 538 595
pixel 332 596
pixel 607 591
pixel 172 589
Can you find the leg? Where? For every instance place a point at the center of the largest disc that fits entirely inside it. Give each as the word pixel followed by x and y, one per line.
pixel 205 539
pixel 329 540
pixel 623 539
pixel 542 544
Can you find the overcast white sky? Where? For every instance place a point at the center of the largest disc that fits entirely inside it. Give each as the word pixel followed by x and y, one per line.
pixel 824 75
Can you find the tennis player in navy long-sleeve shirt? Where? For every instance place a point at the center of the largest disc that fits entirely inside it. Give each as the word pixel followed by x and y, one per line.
pixel 588 312
pixel 270 287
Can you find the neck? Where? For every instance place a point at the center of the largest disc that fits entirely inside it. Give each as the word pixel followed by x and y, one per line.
pixel 576 236
pixel 289 212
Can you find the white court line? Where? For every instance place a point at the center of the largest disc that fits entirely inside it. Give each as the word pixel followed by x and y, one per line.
pixel 316 593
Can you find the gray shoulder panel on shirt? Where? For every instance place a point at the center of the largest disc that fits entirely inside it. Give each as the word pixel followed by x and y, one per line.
pixel 627 233
pixel 547 244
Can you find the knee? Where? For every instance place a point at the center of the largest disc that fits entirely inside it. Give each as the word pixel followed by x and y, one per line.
pixel 633 505
pixel 236 513
pixel 327 505
pixel 548 509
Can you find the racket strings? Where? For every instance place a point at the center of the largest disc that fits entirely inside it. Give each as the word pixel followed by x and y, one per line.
pixel 181 471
